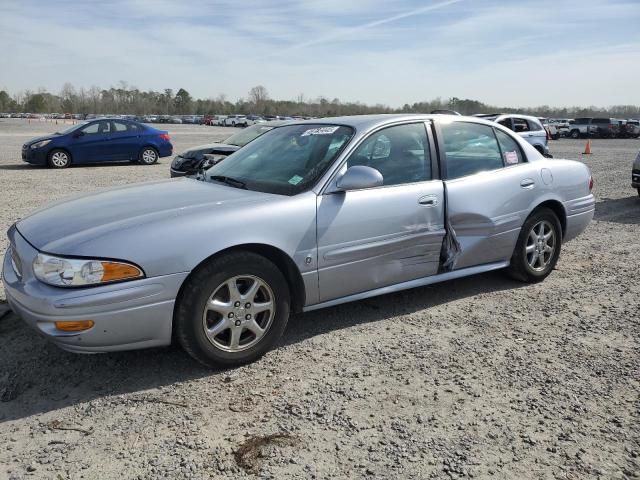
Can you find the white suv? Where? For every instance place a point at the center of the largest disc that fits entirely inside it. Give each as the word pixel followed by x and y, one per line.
pixel 236 121
pixel 528 128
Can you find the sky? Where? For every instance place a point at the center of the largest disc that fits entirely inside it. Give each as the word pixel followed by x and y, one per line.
pixel 517 53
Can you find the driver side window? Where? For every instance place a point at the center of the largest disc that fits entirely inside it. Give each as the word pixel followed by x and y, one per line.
pixel 401 154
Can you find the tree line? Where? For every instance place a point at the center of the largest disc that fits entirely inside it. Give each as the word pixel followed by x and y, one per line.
pixel 125 99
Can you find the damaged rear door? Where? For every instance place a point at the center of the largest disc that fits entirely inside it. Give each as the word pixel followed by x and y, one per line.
pixel 490 189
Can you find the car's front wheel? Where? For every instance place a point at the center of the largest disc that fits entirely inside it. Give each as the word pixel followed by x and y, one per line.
pixel 538 247
pixel 232 310
pixel 59 159
pixel 575 134
pixel 148 156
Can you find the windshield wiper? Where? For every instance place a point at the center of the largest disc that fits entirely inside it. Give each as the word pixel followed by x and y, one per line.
pixel 229 181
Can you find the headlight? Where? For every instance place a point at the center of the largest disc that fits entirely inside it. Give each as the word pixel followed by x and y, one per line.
pixel 69 272
pixel 40 144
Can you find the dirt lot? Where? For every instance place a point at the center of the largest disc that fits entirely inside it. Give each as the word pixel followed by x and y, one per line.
pixel 481 377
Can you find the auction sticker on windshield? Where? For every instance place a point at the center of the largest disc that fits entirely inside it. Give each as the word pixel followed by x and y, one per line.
pixel 296 179
pixel 319 131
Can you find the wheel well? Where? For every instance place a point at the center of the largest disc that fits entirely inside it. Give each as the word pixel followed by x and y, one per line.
pixel 65 150
pixel 557 208
pixel 281 260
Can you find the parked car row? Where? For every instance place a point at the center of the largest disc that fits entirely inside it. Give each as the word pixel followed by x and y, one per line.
pixel 598 127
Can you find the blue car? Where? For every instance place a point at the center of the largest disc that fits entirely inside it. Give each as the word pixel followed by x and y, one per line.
pixel 96 141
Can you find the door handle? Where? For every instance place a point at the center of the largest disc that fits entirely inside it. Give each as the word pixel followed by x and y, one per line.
pixel 527 183
pixel 428 201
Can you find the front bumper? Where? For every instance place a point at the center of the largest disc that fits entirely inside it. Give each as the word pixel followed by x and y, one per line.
pixel 36 156
pixel 126 316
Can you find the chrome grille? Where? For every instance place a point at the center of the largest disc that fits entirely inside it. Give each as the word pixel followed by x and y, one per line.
pixel 16 263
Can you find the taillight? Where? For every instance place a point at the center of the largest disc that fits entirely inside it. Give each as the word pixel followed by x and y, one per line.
pixel 590 183
pixel 165 136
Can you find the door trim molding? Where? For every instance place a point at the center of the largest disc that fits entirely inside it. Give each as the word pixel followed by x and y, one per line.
pixel 419 282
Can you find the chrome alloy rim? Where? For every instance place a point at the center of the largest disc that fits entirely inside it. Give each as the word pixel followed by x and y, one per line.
pixel 541 245
pixel 239 313
pixel 60 159
pixel 149 156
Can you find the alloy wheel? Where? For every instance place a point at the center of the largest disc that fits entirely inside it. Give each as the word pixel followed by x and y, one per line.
pixel 541 245
pixel 239 313
pixel 60 159
pixel 149 156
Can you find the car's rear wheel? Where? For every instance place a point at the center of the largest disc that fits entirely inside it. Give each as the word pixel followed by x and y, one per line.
pixel 59 159
pixel 538 247
pixel 232 310
pixel 148 156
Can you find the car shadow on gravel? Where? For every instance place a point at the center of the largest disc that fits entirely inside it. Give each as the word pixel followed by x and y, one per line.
pixel 28 166
pixel 22 166
pixel 37 377
pixel 619 210
pixel 391 305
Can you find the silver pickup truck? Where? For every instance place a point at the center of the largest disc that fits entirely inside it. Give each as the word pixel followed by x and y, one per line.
pixel 581 127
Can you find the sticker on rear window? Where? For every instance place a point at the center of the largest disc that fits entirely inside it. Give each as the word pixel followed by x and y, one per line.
pixel 319 131
pixel 296 179
pixel 511 158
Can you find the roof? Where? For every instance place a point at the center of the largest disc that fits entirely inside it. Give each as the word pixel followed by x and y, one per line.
pixel 367 122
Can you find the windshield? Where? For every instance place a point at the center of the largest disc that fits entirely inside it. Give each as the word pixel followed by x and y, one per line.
pixel 285 161
pixel 243 137
pixel 72 128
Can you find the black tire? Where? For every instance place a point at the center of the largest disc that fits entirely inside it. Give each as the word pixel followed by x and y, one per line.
pixel 519 268
pixel 575 134
pixel 56 158
pixel 148 156
pixel 556 136
pixel 199 287
pixel 639 192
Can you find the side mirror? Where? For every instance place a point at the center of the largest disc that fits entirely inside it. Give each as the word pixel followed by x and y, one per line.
pixel 358 177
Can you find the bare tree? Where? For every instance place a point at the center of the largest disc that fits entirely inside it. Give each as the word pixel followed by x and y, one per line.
pixel 258 96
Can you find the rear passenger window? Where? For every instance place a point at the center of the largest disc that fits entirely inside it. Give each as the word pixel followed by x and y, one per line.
pixel 470 148
pixel 120 127
pixel 511 153
pixel 520 125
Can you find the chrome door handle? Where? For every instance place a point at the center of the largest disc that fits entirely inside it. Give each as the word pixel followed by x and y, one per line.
pixel 527 183
pixel 428 201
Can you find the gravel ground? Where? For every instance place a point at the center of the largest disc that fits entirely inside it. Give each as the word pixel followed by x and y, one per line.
pixel 481 377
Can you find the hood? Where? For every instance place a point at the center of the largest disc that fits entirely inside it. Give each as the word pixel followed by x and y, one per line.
pixel 214 148
pixel 63 226
pixel 39 139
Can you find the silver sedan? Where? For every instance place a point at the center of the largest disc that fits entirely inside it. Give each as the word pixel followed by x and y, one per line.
pixel 309 215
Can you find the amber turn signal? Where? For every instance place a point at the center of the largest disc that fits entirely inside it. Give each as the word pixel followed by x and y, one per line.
pixel 119 271
pixel 74 326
